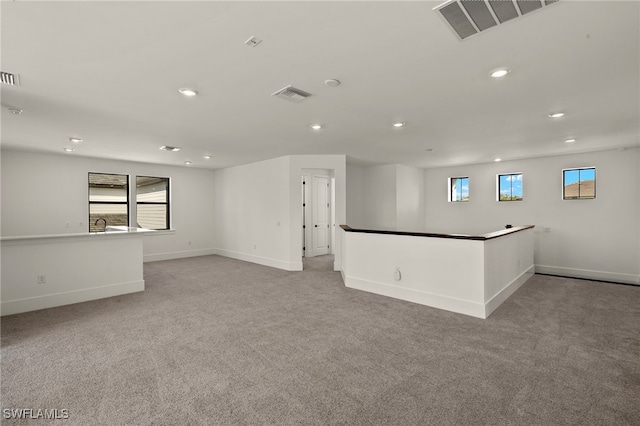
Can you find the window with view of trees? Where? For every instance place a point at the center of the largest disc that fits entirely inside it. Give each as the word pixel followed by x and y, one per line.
pixel 108 201
pixel 152 202
pixel 458 189
pixel 579 184
pixel 510 187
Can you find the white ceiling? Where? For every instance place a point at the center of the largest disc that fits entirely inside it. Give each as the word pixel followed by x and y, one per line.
pixel 108 72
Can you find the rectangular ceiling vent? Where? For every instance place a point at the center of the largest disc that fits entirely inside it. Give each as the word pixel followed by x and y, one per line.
pixel 9 79
pixel 469 17
pixel 291 94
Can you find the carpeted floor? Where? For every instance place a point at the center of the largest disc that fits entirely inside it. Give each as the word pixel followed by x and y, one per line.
pixel 219 341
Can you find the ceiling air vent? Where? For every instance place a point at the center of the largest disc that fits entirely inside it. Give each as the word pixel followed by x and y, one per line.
pixel 469 17
pixel 9 79
pixel 291 94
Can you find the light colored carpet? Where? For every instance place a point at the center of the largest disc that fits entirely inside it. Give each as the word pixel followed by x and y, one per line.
pixel 219 341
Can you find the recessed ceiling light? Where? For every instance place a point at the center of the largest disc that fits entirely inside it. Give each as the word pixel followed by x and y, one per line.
pixel 188 91
pixel 316 126
pixel 207 156
pixel 188 163
pixel 500 72
pixel 75 140
pixel 497 159
pixel 399 124
pixel 570 140
pixel 169 148
pixel 429 149
pixel 332 82
pixel 556 115
pixel 68 149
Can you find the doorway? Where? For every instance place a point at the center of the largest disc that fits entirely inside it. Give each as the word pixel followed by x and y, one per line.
pixel 317 213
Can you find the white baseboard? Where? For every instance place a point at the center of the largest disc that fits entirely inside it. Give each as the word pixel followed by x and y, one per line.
pixel 178 255
pixel 410 295
pixel 497 300
pixel 266 261
pixel 589 274
pixel 11 307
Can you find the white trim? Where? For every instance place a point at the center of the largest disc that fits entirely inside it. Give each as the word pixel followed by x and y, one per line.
pixel 177 255
pixel 493 303
pixel 266 261
pixel 615 277
pixel 11 307
pixel 162 232
pixel 466 307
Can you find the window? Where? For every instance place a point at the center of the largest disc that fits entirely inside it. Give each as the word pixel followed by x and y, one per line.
pixel 579 184
pixel 152 202
pixel 458 189
pixel 108 201
pixel 510 187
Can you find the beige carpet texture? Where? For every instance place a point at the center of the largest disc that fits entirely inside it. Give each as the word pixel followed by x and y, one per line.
pixel 217 341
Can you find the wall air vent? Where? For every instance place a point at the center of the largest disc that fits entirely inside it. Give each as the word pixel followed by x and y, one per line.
pixel 291 94
pixel 469 17
pixel 9 79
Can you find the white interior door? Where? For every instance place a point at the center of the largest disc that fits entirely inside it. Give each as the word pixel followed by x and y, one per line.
pixel 321 215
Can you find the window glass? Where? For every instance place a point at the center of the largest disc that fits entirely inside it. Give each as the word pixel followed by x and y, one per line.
pixel 579 184
pixel 108 201
pixel 458 189
pixel 510 187
pixel 152 202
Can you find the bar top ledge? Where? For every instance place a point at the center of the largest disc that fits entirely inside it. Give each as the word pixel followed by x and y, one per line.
pixel 483 237
pixel 110 231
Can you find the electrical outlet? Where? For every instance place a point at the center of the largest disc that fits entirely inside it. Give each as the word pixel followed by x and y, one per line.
pixel 42 279
pixel 397 275
pixel 189 242
pixel 67 224
pixel 255 246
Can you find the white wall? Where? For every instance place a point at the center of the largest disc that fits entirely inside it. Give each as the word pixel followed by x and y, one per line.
pixel 464 276
pixel 380 197
pixel 252 211
pixel 259 208
pixel 389 197
pixel 42 192
pixel 57 260
pixel 410 207
pixel 598 239
pixel 355 196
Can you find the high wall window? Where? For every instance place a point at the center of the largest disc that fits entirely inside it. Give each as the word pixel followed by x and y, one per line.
pixel 458 189
pixel 152 202
pixel 108 201
pixel 579 184
pixel 510 187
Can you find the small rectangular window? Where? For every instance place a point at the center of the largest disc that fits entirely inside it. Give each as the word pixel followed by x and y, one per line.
pixel 108 201
pixel 458 189
pixel 579 184
pixel 152 202
pixel 510 187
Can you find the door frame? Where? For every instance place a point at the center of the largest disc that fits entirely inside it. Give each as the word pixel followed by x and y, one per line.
pixel 307 210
